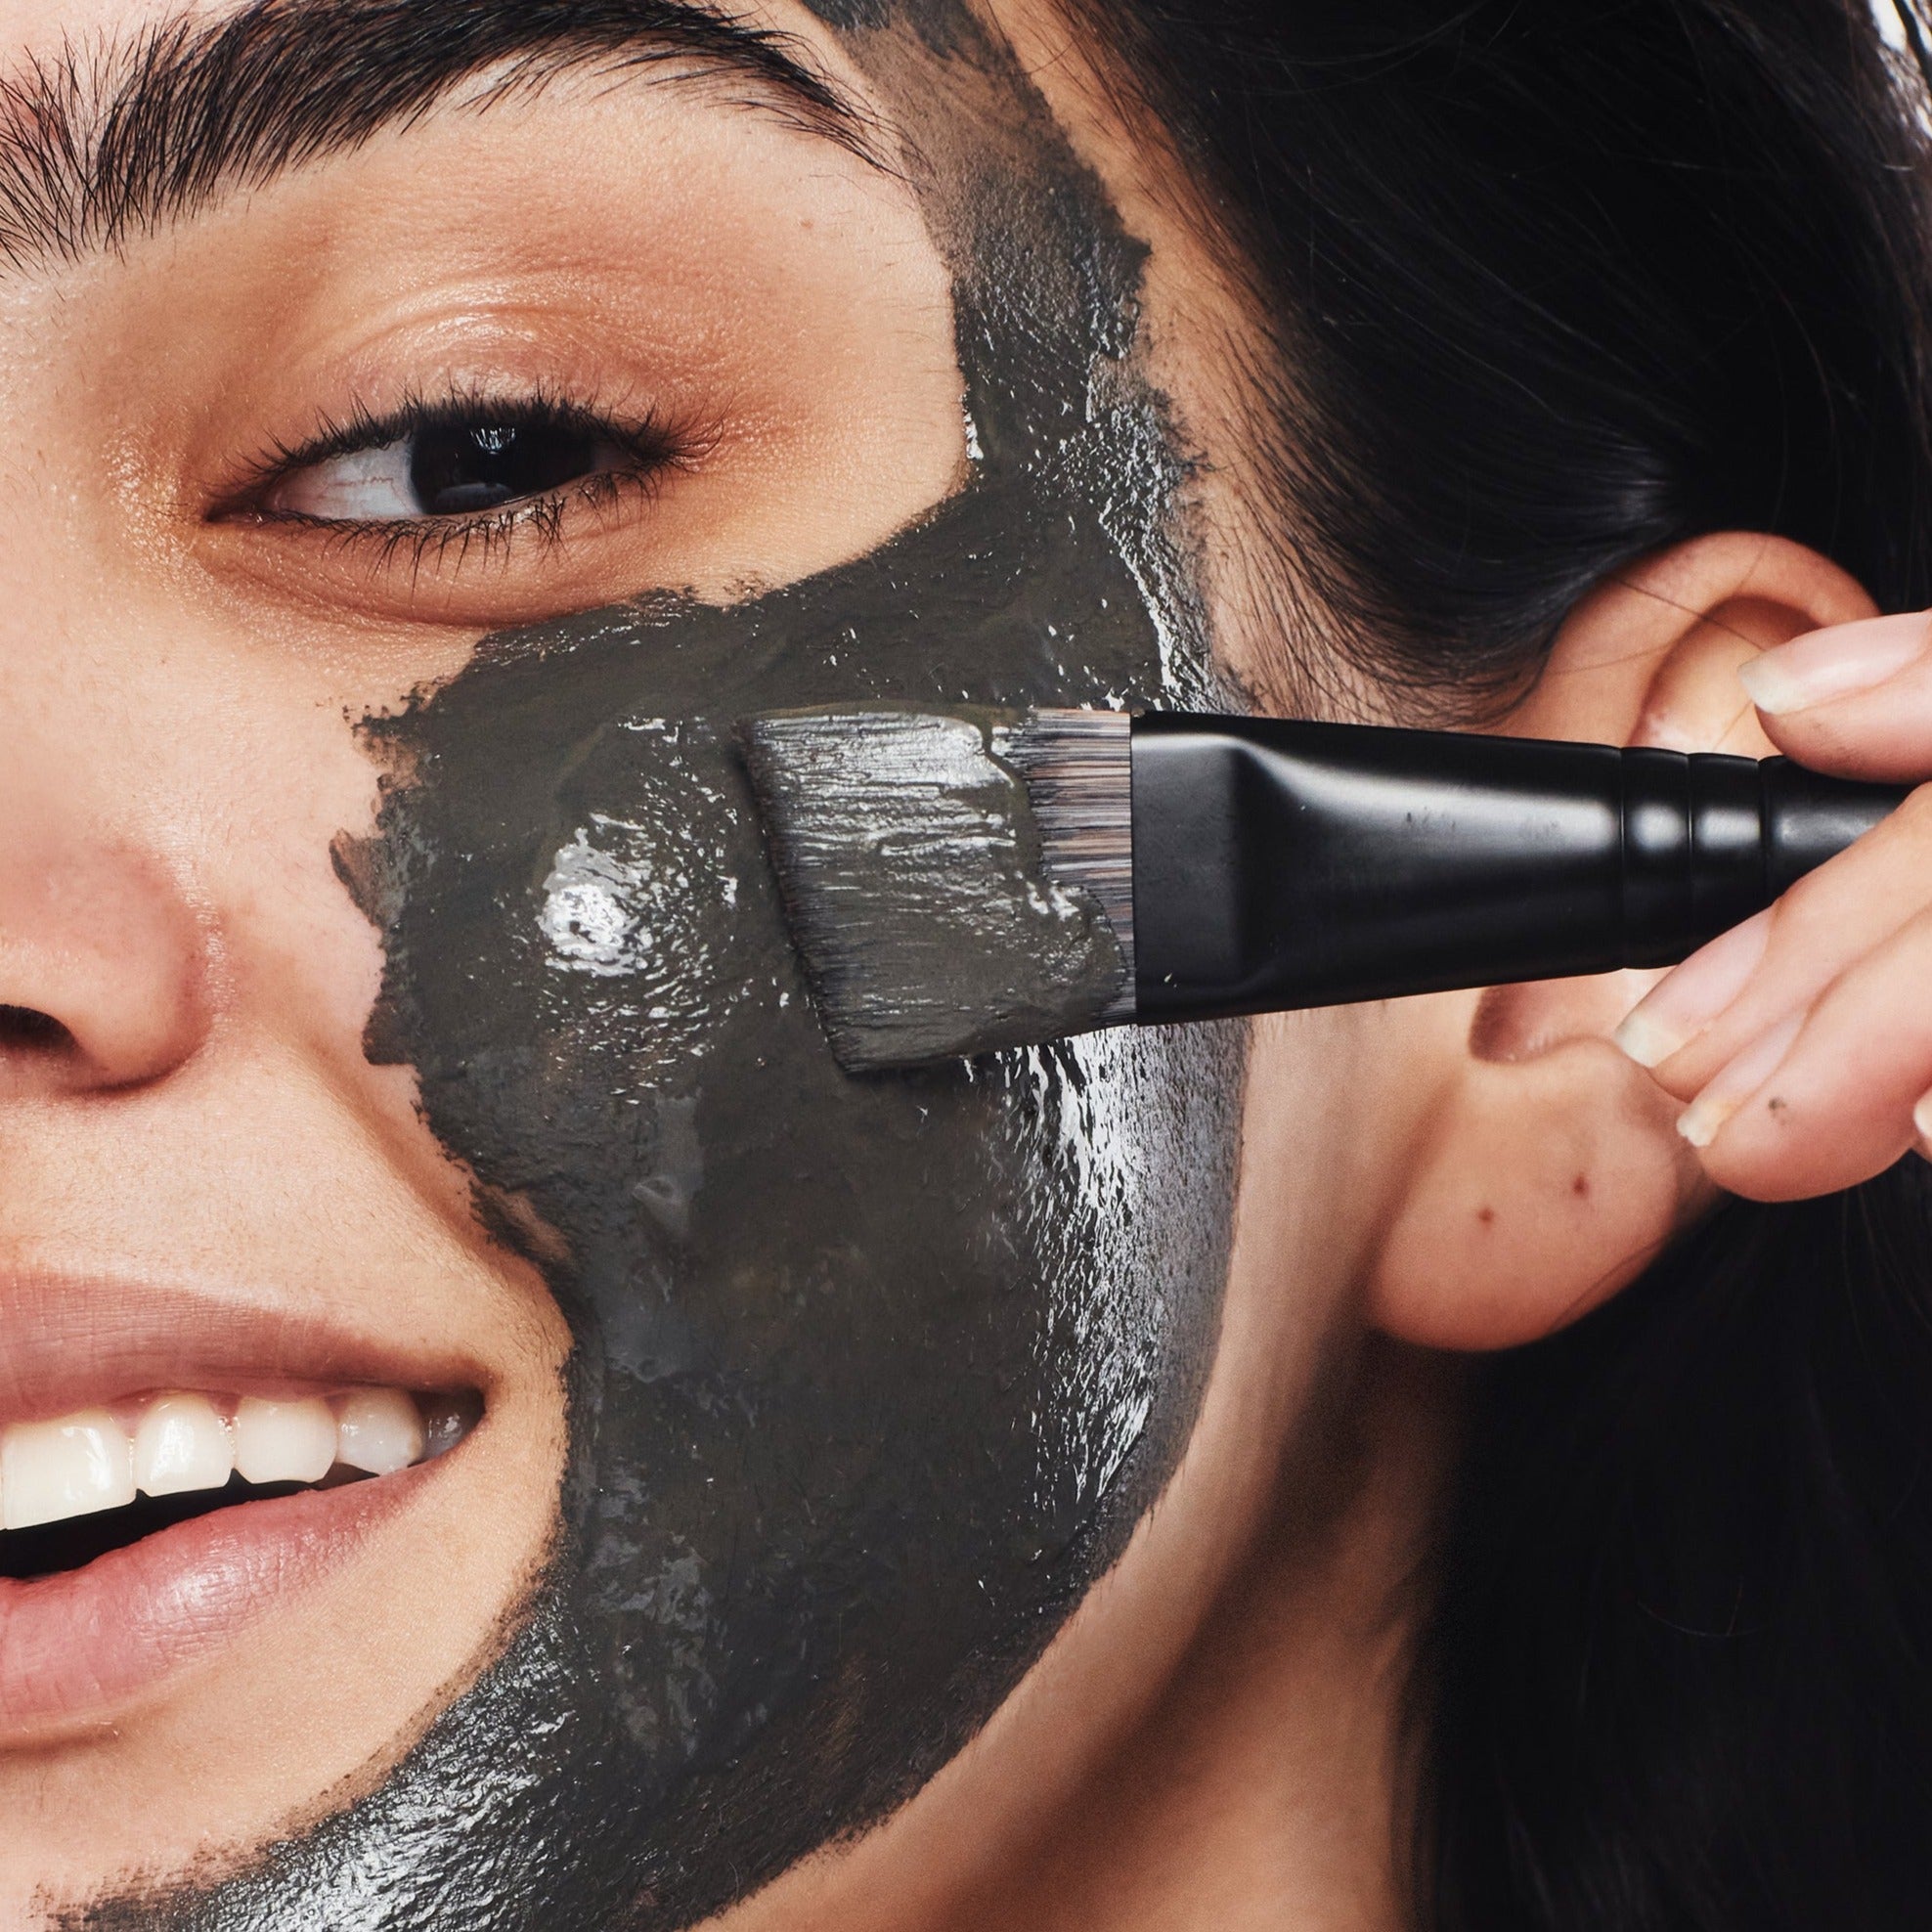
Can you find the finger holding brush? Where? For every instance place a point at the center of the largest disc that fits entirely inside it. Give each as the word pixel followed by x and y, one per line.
pixel 1801 1040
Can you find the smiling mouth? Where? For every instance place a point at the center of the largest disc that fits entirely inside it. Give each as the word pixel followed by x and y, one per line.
pixel 82 1485
pixel 177 1466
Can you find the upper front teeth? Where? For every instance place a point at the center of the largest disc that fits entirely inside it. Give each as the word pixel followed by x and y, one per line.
pixel 64 1468
pixel 181 1442
pixel 89 1460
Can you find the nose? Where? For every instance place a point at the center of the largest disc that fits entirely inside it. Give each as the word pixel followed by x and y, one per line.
pixel 103 974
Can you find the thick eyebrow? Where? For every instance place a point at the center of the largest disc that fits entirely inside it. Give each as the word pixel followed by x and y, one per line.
pixel 102 142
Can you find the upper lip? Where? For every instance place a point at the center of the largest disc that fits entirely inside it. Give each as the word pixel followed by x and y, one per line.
pixel 72 1341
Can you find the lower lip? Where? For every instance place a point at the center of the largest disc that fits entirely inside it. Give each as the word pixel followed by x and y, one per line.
pixel 77 1647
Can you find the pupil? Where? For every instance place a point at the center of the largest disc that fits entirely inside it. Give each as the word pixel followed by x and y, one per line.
pixel 458 469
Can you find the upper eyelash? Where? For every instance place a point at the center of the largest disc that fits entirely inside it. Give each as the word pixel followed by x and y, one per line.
pixel 363 428
pixel 657 448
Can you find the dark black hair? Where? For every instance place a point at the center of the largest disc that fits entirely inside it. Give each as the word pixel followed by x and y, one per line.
pixel 1557 285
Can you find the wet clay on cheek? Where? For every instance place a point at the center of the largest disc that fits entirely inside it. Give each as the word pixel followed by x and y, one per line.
pixel 873 1377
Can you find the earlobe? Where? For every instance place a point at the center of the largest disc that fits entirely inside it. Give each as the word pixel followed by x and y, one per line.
pixel 1547 1171
pixel 1541 1186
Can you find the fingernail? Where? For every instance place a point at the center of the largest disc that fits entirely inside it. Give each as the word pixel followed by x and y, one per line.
pixel 1737 1082
pixel 1688 999
pixel 1830 664
pixel 1921 1120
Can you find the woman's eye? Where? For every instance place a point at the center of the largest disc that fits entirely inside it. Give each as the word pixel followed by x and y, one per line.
pixel 458 469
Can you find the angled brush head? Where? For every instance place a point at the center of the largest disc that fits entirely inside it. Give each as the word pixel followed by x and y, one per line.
pixel 955 880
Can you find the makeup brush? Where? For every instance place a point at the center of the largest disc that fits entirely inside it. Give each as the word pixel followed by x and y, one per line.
pixel 958 880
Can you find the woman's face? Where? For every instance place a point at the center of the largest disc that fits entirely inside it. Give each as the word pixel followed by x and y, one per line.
pixel 424 445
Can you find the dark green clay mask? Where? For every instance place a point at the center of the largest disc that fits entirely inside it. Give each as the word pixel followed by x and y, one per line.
pixel 873 1377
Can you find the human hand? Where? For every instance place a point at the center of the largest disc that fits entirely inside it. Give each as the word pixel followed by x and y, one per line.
pixel 1802 1039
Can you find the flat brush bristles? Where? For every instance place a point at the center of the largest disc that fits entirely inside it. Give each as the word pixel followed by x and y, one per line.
pixel 954 881
pixel 1078 768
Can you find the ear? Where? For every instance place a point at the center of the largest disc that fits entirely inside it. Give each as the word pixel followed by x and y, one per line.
pixel 1545 1169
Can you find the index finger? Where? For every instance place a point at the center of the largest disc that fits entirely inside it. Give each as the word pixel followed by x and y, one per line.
pixel 1854 699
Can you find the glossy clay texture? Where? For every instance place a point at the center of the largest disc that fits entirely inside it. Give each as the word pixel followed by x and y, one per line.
pixel 873 1377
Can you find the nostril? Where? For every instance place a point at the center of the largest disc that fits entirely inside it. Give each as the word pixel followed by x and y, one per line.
pixel 24 1030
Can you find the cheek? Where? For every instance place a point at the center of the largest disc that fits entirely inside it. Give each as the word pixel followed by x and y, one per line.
pixel 293 950
pixel 642 905
pixel 244 765
pixel 873 1377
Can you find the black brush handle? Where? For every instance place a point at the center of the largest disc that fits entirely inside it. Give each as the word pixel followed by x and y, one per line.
pixel 1282 863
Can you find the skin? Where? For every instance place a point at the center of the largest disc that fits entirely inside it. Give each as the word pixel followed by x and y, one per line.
pixel 1167 1698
